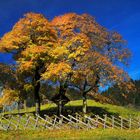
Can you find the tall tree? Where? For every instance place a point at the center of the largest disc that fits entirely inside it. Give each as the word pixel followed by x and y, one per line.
pixel 31 42
pixel 72 49
pixel 93 52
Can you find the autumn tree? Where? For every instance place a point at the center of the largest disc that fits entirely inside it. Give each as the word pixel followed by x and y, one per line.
pixel 71 50
pixel 92 53
pixel 7 75
pixel 14 86
pixel 7 79
pixel 31 41
pixel 121 96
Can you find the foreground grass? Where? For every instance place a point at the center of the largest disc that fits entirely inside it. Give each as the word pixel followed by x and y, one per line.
pixel 97 134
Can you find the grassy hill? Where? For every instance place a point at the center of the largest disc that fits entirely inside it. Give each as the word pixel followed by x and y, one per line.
pixel 72 107
pixel 93 108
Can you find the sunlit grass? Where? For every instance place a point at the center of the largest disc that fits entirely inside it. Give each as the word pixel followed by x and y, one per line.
pixel 112 109
pixel 97 134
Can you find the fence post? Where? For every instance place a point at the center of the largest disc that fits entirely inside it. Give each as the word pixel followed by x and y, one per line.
pixel 105 118
pixel 130 122
pixel 8 127
pixel 27 122
pixel 36 122
pixel 138 122
pixel 3 109
pixel 112 121
pixel 97 117
pixel 121 122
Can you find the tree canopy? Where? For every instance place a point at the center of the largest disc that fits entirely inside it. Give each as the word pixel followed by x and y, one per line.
pixel 71 49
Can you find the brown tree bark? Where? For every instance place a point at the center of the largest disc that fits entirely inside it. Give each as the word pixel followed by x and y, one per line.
pixel 36 90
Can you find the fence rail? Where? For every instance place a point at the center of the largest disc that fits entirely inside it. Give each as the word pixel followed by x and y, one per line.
pixel 17 122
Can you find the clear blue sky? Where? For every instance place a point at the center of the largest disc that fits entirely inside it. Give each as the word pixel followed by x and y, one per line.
pixel 120 15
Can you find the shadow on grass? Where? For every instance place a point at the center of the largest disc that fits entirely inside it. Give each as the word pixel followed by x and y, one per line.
pixel 71 110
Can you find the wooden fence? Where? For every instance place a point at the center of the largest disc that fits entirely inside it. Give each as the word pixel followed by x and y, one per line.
pixel 32 122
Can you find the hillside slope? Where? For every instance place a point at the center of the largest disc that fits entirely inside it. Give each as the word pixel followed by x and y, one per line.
pixel 93 108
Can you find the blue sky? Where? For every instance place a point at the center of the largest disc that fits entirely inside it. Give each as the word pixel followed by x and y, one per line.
pixel 120 15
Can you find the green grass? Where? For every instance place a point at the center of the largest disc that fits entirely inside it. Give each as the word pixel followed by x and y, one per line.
pixel 108 108
pixel 93 108
pixel 97 134
pixel 66 134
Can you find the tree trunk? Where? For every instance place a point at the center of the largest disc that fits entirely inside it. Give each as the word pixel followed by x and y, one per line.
pixel 36 91
pixel 18 106
pixel 60 108
pixel 62 91
pixel 84 104
pixel 25 105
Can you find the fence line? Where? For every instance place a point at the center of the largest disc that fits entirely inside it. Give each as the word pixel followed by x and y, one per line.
pixel 14 122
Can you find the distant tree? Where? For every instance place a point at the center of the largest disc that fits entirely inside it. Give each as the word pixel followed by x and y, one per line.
pixel 7 75
pixel 123 97
pixel 8 80
pixel 136 93
pixel 14 85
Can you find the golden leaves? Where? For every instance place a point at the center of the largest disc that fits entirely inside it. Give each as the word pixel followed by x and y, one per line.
pixel 26 66
pixel 9 96
pixel 57 71
pixel 77 46
pixel 28 87
pixel 34 52
pixel 59 52
pixel 37 41
pixel 7 42
pixel 32 29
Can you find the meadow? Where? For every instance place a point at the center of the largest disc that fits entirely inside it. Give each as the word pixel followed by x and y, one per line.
pixel 79 134
pixel 93 108
pixel 97 134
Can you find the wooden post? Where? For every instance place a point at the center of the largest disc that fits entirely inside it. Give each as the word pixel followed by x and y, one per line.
pixel 84 104
pixel 138 122
pixel 105 118
pixel 112 121
pixel 3 109
pixel 18 106
pixel 27 122
pixel 36 122
pixel 8 127
pixel 97 120
pixel 121 122
pixel 19 117
pixel 130 123
pixel 60 108
pixel 25 105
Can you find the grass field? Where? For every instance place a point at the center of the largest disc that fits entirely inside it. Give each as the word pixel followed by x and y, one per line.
pixel 97 134
pixel 64 134
pixel 93 108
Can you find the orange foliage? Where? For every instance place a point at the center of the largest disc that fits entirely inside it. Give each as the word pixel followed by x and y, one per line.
pixel 93 48
pixel 31 38
pixel 9 96
pixel 70 43
pixel 57 71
